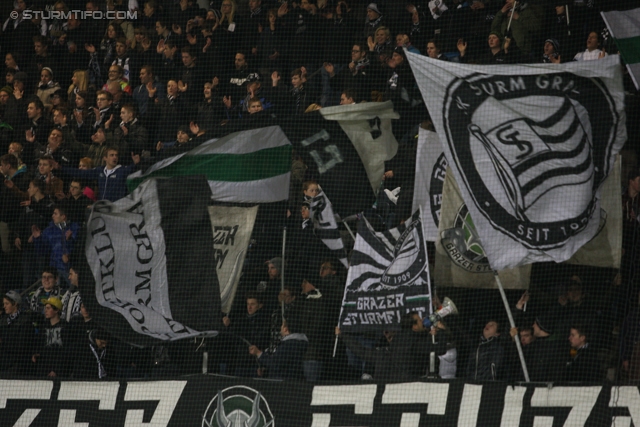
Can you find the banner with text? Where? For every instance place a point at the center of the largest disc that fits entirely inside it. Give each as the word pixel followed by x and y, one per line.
pixel 208 401
pixel 388 277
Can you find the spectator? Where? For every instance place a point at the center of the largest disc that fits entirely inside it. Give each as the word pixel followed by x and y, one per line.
pixel 38 129
pixel 56 242
pixel 551 52
pixel 130 135
pixel 252 327
pixel 91 358
pixel 592 51
pixel 116 173
pixel 16 335
pixel 286 361
pixel 16 183
pixel 54 185
pixel 71 301
pixel 50 358
pixel 77 202
pixel 374 20
pixel 406 357
pixel 434 51
pixel 584 365
pixel 79 83
pixel 548 355
pixel 36 214
pixel 47 87
pixel 486 362
pixel 170 112
pixel 48 289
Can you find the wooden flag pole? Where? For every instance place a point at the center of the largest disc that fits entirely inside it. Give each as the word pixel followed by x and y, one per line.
pixel 513 325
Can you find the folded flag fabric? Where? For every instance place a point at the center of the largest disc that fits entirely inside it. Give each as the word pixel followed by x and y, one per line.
pixel 624 26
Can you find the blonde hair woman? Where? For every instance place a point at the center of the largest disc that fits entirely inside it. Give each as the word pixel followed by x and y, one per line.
pixel 79 82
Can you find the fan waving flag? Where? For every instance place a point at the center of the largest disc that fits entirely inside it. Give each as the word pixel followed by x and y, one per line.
pixel 388 277
pixel 252 166
pixel 149 274
pixel 530 147
pixel 326 227
pixel 624 26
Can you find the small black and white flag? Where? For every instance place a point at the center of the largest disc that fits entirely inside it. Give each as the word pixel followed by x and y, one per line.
pixel 149 274
pixel 530 147
pixel 388 277
pixel 326 227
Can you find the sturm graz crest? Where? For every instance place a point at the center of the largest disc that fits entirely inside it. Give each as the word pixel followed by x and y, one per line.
pixel 463 244
pixel 532 150
pixel 238 406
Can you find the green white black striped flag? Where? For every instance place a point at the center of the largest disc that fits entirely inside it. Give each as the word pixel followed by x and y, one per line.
pixel 252 166
pixel 624 26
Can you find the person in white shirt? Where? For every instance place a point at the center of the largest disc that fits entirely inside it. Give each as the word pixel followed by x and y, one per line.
pixel 592 52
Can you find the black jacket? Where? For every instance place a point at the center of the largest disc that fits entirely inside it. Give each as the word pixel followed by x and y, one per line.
pixel 584 366
pixel 486 361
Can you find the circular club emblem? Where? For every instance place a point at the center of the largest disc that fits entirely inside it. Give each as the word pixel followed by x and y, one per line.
pixel 409 260
pixel 238 406
pixel 532 150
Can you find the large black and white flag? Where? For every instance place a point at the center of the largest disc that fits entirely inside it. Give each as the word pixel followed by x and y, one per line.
pixel 232 227
pixel 431 168
pixel 530 146
pixel 388 277
pixel 326 227
pixel 150 275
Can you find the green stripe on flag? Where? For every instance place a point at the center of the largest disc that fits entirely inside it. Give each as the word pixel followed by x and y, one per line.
pixel 263 164
pixel 629 49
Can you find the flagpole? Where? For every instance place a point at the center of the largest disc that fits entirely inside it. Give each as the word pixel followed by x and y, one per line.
pixel 511 17
pixel 566 11
pixel 284 240
pixel 349 230
pixel 513 325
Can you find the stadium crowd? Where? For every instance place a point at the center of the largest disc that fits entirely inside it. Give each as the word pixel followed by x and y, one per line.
pixel 87 102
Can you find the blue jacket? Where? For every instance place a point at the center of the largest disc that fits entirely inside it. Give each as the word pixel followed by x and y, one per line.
pixel 112 188
pixel 54 242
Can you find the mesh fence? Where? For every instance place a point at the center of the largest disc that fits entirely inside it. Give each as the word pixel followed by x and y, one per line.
pixel 326 213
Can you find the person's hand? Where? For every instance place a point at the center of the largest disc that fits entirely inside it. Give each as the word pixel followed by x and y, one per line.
pixel 260 372
pixel 226 100
pixel 96 112
pixel 254 351
pixel 60 195
pixel 387 175
pixel 182 87
pixel 176 29
pixel 274 56
pixel 560 10
pixel 194 128
pixel 18 243
pixel 68 234
pixel 151 89
pixel 371 44
pixel 226 321
pixel 513 332
pixel 523 300
pixel 207 45
pixel 90 48
pixel 602 53
pixel 555 59
pixel 160 46
pixel 135 158
pixel 61 120
pixel 65 258
pixel 191 39
pixel 29 136
pixel 329 68
pixel 283 10
pixel 507 43
pixel 107 124
pixel 17 93
pixel 254 50
pixel 8 183
pixel 35 232
pixel 337 331
pixel 275 78
pixel 508 5
pixel 25 202
pixel 51 374
pixel 304 72
pixel 476 5
pixel 159 146
pixel 34 358
pixel 625 365
pixel 462 47
pixel 124 130
pixel 215 82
